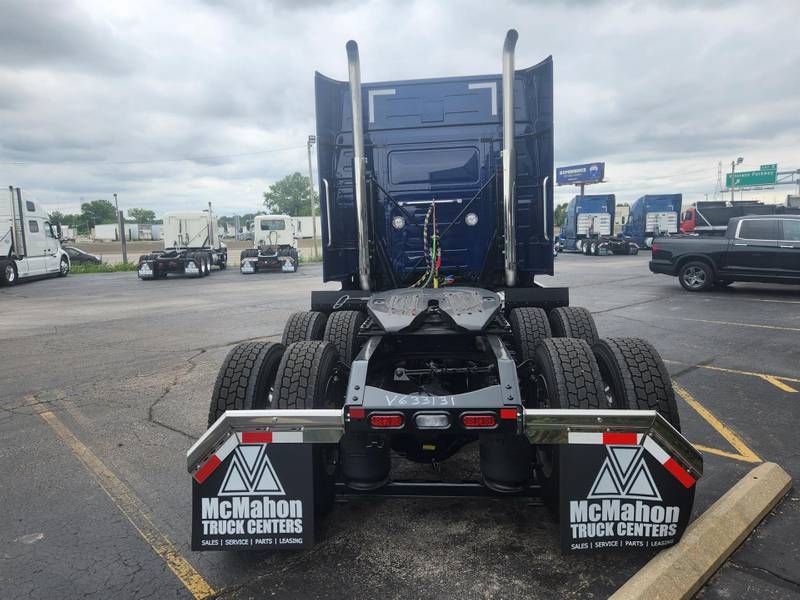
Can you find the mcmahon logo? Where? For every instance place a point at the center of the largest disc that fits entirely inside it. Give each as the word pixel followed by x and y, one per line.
pixel 624 475
pixel 251 474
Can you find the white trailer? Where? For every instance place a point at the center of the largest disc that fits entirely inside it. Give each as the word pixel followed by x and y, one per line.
pixel 29 245
pixel 191 247
pixel 275 246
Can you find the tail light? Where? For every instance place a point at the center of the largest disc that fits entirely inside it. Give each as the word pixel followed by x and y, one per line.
pixel 480 421
pixel 654 247
pixel 386 421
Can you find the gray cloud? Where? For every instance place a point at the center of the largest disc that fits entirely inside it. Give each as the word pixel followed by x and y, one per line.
pixel 660 92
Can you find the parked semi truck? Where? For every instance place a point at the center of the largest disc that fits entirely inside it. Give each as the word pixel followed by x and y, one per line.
pixel 712 217
pixel 29 243
pixel 437 222
pixel 589 225
pixel 191 247
pixel 653 216
pixel 275 242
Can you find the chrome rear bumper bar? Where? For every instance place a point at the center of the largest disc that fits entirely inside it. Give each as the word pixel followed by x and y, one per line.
pixel 542 426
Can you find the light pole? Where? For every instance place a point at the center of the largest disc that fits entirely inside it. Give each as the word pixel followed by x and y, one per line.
pixel 738 161
pixel 121 222
pixel 311 141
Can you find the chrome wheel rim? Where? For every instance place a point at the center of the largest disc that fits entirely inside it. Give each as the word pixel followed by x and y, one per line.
pixel 64 267
pixel 694 277
pixel 11 274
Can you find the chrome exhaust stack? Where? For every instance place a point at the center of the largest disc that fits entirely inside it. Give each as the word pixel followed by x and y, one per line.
pixel 359 163
pixel 509 160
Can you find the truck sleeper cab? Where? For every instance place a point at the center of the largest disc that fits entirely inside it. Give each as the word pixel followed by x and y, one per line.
pixel 29 243
pixel 275 242
pixel 653 216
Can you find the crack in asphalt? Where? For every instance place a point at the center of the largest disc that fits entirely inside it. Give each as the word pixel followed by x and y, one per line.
pixel 690 368
pixel 655 299
pixel 765 573
pixel 167 389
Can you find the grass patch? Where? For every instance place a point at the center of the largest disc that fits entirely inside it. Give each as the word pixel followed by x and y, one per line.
pixel 103 268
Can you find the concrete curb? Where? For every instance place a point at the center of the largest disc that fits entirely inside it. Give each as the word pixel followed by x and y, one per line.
pixel 680 571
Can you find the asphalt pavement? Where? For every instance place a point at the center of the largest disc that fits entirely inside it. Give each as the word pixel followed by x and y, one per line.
pixel 105 383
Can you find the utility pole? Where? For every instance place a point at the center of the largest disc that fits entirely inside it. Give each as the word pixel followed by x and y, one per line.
pixel 122 237
pixel 311 141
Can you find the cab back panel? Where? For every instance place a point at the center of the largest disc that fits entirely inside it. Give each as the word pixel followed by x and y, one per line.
pixel 436 139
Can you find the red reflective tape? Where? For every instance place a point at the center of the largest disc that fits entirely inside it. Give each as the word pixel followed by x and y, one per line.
pixel 508 413
pixel 207 469
pixel 357 413
pixel 679 473
pixel 257 437
pixel 620 438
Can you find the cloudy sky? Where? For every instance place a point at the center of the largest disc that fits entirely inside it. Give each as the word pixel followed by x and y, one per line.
pixel 174 104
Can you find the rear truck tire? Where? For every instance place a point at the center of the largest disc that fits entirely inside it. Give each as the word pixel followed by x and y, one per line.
pixel 593 249
pixel 308 378
pixel 206 269
pixel 573 322
pixel 635 377
pixel 246 378
pixel 567 376
pixel 342 331
pixel 63 267
pixel 633 250
pixel 529 326
pixel 696 276
pixel 304 326
pixel 8 273
pixel 223 262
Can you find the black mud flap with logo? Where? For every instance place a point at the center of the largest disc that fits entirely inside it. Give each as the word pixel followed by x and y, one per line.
pixel 620 492
pixel 254 494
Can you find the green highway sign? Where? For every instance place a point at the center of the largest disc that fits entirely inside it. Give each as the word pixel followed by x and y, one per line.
pixel 766 175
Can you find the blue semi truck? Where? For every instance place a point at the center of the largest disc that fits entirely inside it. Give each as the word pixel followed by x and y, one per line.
pixel 437 221
pixel 589 227
pixel 652 216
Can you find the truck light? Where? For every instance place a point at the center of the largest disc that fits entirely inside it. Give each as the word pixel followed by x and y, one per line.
pixel 481 421
pixel 398 222
pixel 356 413
pixel 508 413
pixel 471 219
pixel 654 247
pixel 386 421
pixel 432 421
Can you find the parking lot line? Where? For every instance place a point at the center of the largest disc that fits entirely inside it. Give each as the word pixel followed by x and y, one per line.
pixel 740 324
pixel 778 381
pixel 133 509
pixel 745 453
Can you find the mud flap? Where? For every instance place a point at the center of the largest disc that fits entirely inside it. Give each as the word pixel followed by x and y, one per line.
pixel 621 491
pixel 256 492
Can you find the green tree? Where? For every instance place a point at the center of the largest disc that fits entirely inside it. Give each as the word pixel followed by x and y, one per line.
pixel 291 196
pixel 141 215
pixel 97 212
pixel 560 215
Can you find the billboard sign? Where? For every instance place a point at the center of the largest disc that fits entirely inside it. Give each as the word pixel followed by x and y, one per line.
pixel 766 175
pixel 577 174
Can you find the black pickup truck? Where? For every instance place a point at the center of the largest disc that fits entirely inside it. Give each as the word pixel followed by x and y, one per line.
pixel 755 248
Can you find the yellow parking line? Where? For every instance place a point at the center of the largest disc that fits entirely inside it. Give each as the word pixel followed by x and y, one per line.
pixel 745 454
pixel 740 324
pixel 776 380
pixel 133 509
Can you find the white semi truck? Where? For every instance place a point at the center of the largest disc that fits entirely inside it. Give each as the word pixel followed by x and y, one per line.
pixel 191 247
pixel 29 244
pixel 275 242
